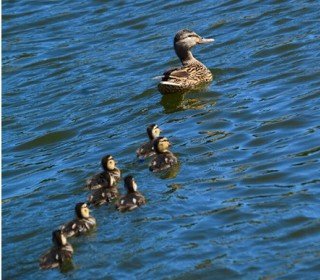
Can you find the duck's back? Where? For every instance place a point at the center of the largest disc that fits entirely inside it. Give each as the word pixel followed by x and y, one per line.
pixel 145 150
pixel 130 201
pixel 97 181
pixel 163 161
pixel 103 195
pixel 188 77
pixel 78 226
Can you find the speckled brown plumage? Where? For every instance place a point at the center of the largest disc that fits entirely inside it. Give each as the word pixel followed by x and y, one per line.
pixel 193 73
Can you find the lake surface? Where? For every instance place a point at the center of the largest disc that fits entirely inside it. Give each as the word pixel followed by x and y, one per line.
pixel 78 84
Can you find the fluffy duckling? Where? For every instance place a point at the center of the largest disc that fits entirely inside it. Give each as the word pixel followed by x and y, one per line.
pixel 192 73
pixel 109 166
pixel 106 193
pixel 82 224
pixel 133 198
pixel 146 149
pixel 163 159
pixel 59 254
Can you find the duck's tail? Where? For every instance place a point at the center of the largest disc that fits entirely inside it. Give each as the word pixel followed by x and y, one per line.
pixel 166 87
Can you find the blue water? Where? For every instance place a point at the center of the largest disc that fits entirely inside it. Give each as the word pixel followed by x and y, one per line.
pixel 78 84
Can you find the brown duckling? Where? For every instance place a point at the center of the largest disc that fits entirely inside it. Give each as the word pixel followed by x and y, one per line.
pixel 59 254
pixel 146 149
pixel 109 166
pixel 106 193
pixel 81 224
pixel 163 159
pixel 192 73
pixel 133 198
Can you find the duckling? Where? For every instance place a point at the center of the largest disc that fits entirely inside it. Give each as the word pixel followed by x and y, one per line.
pixel 109 166
pixel 146 149
pixel 163 159
pixel 106 193
pixel 133 198
pixel 59 254
pixel 82 224
pixel 192 73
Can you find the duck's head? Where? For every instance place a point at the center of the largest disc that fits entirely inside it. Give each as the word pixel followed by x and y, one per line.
pixel 82 210
pixel 58 238
pixel 153 131
pixel 186 39
pixel 108 163
pixel 161 145
pixel 130 184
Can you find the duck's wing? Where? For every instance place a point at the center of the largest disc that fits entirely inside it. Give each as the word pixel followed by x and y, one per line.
pixel 71 228
pixel 78 226
pixel 96 181
pixel 145 150
pixel 125 204
pixel 111 193
pixel 140 200
pixel 158 163
pixel 162 162
pixel 130 202
pixel 176 74
pixel 153 165
pixel 98 197
pixel 170 158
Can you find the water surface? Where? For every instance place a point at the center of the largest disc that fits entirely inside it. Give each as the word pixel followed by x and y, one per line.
pixel 77 85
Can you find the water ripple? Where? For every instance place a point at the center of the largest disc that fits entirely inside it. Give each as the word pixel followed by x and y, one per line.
pixel 78 84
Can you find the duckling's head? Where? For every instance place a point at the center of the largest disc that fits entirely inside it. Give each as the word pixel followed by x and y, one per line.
pixel 153 131
pixel 82 210
pixel 186 39
pixel 161 145
pixel 108 163
pixel 58 238
pixel 130 184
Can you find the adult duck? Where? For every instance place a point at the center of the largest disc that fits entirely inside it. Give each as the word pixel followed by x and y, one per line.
pixel 192 73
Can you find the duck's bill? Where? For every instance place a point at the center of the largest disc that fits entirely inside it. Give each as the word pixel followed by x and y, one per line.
pixel 205 40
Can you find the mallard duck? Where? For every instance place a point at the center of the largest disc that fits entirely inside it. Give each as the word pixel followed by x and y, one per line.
pixel 133 198
pixel 163 159
pixel 146 149
pixel 192 73
pixel 109 166
pixel 59 254
pixel 82 224
pixel 106 193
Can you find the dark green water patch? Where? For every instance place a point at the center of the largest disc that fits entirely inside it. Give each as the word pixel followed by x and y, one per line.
pixel 48 139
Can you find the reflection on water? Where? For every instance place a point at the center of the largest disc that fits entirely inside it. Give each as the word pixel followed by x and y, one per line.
pixel 193 100
pixel 67 266
pixel 171 172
